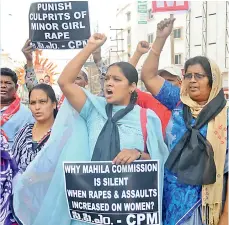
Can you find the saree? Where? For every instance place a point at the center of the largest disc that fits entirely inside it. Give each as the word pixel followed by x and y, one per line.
pixel 39 195
pixel 8 171
pixel 182 203
pixel 23 150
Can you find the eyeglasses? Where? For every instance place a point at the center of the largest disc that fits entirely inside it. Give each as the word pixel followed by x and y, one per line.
pixel 197 76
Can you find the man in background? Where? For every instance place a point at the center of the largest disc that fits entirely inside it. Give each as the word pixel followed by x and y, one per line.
pixel 172 74
pixel 14 115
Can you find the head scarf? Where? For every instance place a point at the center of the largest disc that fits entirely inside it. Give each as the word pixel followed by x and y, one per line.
pixel 108 143
pixel 217 137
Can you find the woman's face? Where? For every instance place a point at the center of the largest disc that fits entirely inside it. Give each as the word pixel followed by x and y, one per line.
pixel 41 105
pixel 198 84
pixel 117 89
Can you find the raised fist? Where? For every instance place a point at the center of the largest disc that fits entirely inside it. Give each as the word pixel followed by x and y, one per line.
pixel 28 50
pixel 142 47
pixel 97 40
pixel 165 27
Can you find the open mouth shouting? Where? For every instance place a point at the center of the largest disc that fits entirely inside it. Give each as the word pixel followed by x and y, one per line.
pixel 108 93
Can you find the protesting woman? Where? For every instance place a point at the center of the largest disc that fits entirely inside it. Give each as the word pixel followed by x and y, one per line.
pixel 33 136
pixel 92 128
pixel 144 100
pixel 196 170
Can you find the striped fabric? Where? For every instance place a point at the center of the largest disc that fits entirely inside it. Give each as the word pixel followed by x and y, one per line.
pixel 22 149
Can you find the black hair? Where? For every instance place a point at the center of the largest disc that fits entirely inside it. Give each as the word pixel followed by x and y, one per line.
pixel 130 72
pixel 204 62
pixel 47 76
pixel 10 73
pixel 49 91
pixel 84 75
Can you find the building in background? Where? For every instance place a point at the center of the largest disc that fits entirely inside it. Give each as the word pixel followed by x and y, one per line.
pixel 207 31
pixel 202 30
pixel 133 29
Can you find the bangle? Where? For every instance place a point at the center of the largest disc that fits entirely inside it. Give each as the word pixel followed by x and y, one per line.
pixel 155 52
pixel 140 155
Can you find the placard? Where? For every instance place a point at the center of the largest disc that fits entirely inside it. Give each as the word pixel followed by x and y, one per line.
pixel 105 193
pixel 59 25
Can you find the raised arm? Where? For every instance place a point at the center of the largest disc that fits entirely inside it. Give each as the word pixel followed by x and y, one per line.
pixel 30 76
pixel 149 75
pixel 142 48
pixel 66 81
pixel 102 68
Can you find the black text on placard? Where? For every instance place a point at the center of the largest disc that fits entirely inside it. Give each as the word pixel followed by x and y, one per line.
pixel 103 193
pixel 59 25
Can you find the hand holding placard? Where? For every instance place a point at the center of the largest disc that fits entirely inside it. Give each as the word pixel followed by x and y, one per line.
pixel 126 156
pixel 106 193
pixel 28 51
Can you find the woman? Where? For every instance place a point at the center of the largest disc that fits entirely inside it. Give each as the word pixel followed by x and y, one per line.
pixel 104 129
pixel 32 137
pixel 8 171
pixel 144 99
pixel 196 169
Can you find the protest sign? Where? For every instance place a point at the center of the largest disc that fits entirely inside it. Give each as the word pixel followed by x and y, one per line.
pixel 105 193
pixel 59 25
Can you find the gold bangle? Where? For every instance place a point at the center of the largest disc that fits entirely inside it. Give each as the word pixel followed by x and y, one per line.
pixel 155 52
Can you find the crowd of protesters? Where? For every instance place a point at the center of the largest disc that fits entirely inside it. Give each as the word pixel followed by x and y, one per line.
pixel 186 122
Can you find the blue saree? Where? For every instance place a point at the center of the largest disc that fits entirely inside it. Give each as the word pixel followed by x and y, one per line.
pixel 39 195
pixel 182 203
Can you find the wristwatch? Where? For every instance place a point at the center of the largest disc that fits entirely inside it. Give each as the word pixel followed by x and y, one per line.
pixel 140 155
